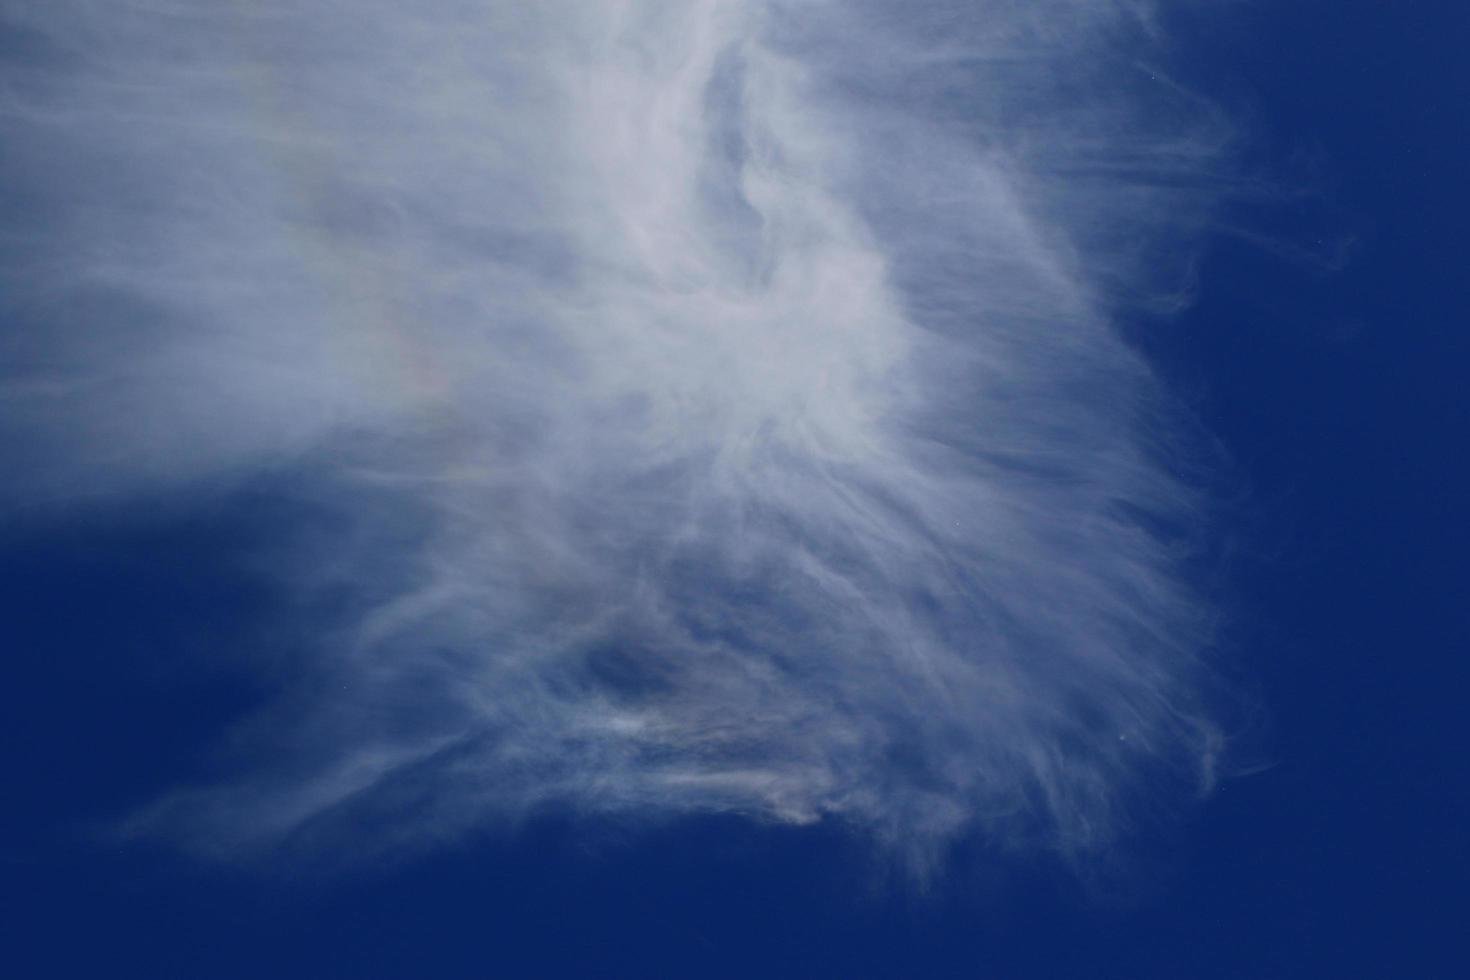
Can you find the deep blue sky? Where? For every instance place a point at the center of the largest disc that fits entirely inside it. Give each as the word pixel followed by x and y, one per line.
pixel 1336 389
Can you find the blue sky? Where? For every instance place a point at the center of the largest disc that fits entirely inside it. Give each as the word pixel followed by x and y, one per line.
pixel 713 489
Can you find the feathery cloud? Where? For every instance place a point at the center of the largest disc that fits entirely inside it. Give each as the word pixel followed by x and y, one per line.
pixel 718 403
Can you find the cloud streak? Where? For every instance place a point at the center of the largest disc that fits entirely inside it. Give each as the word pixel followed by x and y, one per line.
pixel 717 406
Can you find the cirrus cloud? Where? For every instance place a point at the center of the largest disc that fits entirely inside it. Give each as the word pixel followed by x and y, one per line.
pixel 719 404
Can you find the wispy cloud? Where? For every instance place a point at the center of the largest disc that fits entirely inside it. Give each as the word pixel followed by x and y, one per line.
pixel 718 404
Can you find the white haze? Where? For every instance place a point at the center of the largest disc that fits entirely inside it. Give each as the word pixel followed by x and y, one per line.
pixel 716 406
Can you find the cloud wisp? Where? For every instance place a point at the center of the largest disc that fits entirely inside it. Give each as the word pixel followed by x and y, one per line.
pixel 715 406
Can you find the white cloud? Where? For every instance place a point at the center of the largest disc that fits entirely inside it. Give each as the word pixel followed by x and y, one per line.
pixel 719 404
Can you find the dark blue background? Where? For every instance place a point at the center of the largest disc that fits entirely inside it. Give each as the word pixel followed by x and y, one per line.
pixel 1327 352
